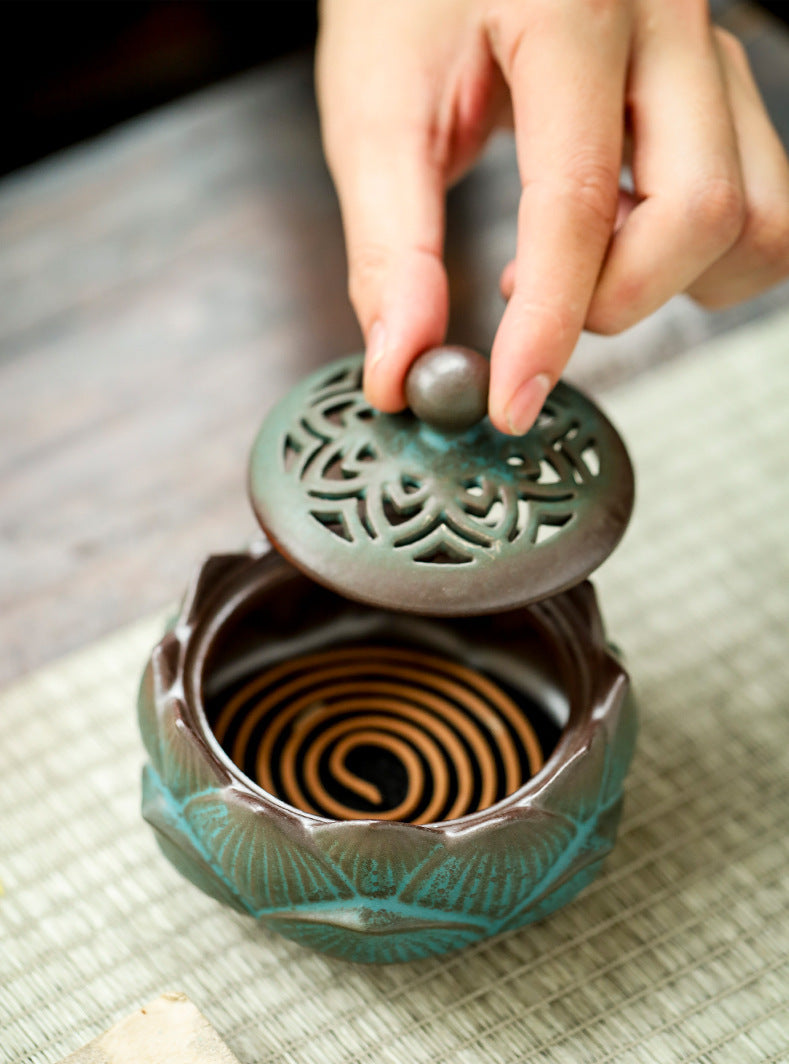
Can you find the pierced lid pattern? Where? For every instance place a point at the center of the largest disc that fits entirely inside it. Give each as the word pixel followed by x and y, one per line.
pixel 388 510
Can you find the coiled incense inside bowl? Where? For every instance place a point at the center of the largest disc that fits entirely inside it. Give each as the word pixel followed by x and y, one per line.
pixel 381 731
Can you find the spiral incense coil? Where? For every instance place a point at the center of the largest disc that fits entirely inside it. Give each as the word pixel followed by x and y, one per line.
pixel 371 732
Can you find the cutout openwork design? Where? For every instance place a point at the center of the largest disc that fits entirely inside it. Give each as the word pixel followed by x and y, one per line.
pixel 385 508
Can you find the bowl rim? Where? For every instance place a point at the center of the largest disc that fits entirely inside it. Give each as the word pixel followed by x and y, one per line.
pixel 229 585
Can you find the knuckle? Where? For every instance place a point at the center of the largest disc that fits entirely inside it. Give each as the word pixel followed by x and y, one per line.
pixel 510 24
pixel 717 211
pixel 731 46
pixel 604 8
pixel 608 318
pixel 594 187
pixel 713 298
pixel 367 266
pixel 507 42
pixel 609 323
pixel 588 188
pixel 766 235
pixel 692 15
pixel 549 320
pixel 617 308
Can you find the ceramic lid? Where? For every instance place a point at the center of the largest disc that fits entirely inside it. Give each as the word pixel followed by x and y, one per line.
pixel 439 514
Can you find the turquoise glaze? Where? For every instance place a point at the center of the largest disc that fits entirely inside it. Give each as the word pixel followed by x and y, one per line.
pixel 379 891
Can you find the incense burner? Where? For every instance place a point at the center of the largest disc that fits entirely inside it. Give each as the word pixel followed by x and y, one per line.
pixel 387 780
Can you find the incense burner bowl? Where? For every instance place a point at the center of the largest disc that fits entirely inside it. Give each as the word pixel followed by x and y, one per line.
pixel 376 785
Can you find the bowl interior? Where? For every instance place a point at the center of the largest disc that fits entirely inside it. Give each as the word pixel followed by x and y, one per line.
pixel 350 712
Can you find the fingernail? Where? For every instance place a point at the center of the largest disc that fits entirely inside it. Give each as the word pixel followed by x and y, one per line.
pixel 376 345
pixel 526 403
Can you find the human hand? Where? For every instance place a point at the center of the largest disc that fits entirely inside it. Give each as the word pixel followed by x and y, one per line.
pixel 410 91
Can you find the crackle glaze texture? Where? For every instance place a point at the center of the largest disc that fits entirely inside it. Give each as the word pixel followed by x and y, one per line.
pixel 381 891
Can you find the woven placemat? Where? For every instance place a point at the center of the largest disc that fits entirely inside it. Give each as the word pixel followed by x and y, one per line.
pixel 679 953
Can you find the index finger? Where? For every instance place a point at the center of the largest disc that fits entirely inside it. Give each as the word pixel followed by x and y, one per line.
pixel 566 68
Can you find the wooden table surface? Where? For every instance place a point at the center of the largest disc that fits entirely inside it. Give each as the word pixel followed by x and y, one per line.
pixel 160 288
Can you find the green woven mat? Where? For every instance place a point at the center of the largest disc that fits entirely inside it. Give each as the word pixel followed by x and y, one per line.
pixel 679 953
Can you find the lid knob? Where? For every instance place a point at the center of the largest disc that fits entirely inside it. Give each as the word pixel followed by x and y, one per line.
pixel 447 387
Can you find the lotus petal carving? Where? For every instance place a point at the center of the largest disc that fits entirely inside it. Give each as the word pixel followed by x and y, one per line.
pixel 381 891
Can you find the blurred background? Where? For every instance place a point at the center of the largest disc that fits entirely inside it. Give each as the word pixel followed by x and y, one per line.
pixel 172 260
pixel 74 69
